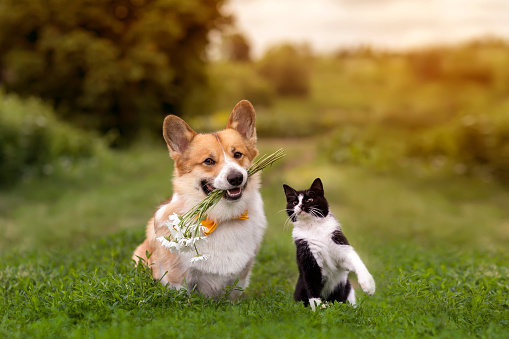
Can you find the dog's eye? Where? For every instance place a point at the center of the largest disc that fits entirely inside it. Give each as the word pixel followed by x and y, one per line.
pixel 237 155
pixel 309 200
pixel 209 162
pixel 295 203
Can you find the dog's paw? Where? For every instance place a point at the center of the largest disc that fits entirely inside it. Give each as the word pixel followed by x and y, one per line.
pixel 367 284
pixel 314 303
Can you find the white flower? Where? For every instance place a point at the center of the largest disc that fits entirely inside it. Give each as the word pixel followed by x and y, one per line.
pixel 189 241
pixel 173 226
pixel 183 248
pixel 169 245
pixel 181 237
pixel 177 234
pixel 199 258
pixel 174 218
pixel 164 242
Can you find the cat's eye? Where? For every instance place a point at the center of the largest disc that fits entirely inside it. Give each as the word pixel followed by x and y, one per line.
pixel 309 200
pixel 294 203
pixel 209 162
pixel 237 155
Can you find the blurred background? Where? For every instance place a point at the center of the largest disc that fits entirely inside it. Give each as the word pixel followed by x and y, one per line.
pixel 388 86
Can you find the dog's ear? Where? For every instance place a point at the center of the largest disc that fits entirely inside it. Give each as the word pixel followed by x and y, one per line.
pixel 243 120
pixel 178 135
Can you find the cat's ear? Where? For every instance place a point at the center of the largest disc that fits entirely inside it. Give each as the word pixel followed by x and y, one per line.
pixel 317 187
pixel 289 191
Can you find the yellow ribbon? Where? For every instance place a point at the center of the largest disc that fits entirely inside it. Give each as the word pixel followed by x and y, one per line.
pixel 210 225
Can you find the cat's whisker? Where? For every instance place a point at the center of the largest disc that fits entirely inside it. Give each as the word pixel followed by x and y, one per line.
pixel 316 212
pixel 288 220
pixel 286 224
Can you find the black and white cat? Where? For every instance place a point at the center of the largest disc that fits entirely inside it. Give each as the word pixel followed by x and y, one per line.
pixel 324 256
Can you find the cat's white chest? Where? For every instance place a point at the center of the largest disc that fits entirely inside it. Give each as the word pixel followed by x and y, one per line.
pixel 318 235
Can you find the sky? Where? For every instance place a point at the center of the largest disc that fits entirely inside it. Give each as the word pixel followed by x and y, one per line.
pixel 395 24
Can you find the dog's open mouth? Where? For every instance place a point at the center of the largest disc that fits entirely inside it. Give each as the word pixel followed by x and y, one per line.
pixel 231 194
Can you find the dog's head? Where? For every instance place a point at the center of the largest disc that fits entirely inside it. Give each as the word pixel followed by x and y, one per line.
pixel 204 162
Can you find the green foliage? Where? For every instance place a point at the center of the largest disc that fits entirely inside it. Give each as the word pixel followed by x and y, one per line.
pixel 34 142
pixel 470 144
pixel 232 82
pixel 72 206
pixel 440 108
pixel 478 62
pixel 228 84
pixel 236 48
pixel 119 65
pixel 287 67
pixel 292 118
pixel 367 146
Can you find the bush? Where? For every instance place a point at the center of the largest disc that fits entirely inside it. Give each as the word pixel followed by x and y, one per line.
pixel 473 144
pixel 287 67
pixel 365 145
pixel 236 48
pixel 229 83
pixel 32 140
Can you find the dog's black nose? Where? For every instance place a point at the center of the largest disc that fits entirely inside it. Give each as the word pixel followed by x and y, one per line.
pixel 235 178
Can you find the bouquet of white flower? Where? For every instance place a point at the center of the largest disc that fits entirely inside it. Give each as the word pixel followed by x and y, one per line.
pixel 187 230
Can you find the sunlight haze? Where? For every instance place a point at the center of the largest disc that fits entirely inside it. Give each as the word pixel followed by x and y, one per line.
pixel 330 24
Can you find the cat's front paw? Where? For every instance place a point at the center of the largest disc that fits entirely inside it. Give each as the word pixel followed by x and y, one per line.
pixel 367 284
pixel 314 303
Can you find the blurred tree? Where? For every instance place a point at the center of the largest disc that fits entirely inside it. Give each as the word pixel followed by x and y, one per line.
pixel 113 65
pixel 288 68
pixel 236 47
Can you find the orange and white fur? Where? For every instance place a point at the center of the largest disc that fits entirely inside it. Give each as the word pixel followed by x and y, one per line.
pixel 204 162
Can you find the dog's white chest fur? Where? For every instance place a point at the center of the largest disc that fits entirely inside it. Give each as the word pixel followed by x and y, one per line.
pixel 233 244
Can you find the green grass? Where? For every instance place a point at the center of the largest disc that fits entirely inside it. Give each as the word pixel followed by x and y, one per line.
pixel 435 246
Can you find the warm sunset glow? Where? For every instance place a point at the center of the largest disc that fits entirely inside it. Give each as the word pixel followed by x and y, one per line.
pixel 330 24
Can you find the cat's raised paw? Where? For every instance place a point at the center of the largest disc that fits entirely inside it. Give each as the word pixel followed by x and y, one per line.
pixel 368 284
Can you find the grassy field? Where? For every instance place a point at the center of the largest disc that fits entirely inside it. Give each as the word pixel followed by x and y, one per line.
pixel 436 246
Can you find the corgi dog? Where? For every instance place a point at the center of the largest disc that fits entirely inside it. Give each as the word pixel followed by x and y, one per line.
pixel 202 163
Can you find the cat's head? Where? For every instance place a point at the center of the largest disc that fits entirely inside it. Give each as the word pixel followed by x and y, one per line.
pixel 306 204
